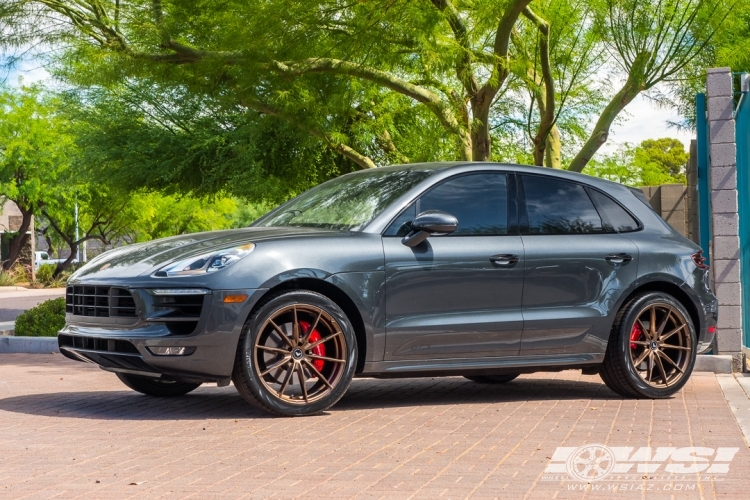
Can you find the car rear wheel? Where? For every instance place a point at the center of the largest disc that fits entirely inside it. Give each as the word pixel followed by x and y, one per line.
pixel 297 355
pixel 652 348
pixel 157 387
pixel 492 379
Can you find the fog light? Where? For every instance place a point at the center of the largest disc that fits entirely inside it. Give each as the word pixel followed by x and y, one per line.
pixel 235 299
pixel 171 351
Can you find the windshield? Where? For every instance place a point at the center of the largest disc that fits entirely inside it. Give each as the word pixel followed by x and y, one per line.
pixel 348 203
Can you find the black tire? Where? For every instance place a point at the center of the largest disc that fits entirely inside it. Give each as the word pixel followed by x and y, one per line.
pixel 156 387
pixel 632 340
pixel 492 379
pixel 250 362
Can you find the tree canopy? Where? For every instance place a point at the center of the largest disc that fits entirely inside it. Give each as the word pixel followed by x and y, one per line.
pixel 341 85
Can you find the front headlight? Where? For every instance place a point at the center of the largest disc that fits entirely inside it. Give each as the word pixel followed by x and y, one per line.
pixel 206 263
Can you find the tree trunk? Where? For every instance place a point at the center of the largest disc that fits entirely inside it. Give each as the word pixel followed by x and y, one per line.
pixel 481 145
pixel 633 86
pixel 62 266
pixel 553 153
pixel 19 240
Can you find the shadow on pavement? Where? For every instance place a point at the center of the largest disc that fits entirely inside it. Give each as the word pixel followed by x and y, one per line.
pixel 364 394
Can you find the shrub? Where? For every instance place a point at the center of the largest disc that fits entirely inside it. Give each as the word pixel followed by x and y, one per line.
pixel 45 272
pixel 43 320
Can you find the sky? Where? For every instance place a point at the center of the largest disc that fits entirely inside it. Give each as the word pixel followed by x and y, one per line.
pixel 644 120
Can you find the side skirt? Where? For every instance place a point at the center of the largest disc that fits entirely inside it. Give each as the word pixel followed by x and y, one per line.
pixel 482 366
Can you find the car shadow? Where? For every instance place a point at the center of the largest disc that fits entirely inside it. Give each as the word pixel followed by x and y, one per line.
pixel 364 394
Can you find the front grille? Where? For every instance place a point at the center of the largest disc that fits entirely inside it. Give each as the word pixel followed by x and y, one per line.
pixel 99 301
pixel 96 344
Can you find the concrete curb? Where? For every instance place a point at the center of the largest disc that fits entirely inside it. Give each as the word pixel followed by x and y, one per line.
pixel 31 345
pixel 737 398
pixel 713 363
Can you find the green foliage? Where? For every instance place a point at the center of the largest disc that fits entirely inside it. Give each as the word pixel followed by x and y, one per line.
pixel 652 163
pixel 45 272
pixel 44 320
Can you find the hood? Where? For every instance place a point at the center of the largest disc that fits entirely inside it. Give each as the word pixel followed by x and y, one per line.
pixel 143 259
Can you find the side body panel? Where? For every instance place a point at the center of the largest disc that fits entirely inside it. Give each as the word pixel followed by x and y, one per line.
pixel 446 299
pixel 570 291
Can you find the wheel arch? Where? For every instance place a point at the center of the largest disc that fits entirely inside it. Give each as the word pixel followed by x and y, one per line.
pixel 676 291
pixel 334 293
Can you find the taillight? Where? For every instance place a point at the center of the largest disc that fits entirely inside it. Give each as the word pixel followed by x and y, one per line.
pixel 699 260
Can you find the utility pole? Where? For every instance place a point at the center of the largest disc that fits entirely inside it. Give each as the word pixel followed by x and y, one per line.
pixel 77 250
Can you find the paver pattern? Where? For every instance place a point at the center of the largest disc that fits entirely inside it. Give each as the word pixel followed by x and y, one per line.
pixel 71 430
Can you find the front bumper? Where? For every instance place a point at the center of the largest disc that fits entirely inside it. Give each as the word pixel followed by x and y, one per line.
pixel 129 348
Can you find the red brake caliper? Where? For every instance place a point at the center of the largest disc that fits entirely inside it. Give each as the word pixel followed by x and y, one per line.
pixel 318 350
pixel 635 334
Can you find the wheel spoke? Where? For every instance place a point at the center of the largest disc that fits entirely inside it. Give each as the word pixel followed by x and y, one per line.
pixel 643 328
pixel 678 347
pixel 323 358
pixel 661 369
pixel 652 323
pixel 281 363
pixel 667 358
pixel 281 333
pixel 326 339
pixel 663 324
pixel 287 379
pixel 650 366
pixel 302 381
pixel 273 349
pixel 319 375
pixel 640 342
pixel 313 327
pixel 667 335
pixel 641 358
pixel 295 326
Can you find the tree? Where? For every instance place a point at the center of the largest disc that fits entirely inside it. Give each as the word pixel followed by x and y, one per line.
pixel 34 150
pixel 653 162
pixel 668 154
pixel 318 66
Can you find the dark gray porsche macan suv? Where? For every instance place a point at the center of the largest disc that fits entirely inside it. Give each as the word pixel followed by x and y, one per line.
pixel 475 269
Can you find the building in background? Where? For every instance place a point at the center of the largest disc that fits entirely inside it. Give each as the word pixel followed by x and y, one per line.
pixel 10 223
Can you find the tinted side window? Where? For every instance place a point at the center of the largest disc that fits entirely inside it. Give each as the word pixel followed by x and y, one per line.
pixel 402 225
pixel 615 217
pixel 478 201
pixel 559 207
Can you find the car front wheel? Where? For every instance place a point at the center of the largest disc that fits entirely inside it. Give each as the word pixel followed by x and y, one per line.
pixel 652 348
pixel 297 355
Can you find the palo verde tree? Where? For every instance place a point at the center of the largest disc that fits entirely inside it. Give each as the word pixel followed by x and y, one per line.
pixel 337 70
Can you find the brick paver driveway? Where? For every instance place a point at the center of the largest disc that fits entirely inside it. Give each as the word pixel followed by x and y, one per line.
pixel 71 430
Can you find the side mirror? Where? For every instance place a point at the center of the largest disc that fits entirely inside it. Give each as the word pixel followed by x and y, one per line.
pixel 429 223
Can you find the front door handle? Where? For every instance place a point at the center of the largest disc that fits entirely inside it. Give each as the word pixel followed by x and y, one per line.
pixel 619 258
pixel 504 259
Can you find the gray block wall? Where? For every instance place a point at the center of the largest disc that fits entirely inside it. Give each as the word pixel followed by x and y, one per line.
pixel 725 244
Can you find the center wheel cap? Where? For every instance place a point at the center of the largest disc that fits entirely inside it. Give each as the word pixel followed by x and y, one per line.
pixel 297 353
pixel 654 345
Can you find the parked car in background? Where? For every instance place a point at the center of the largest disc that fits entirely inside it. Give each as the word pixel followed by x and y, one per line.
pixel 476 269
pixel 42 258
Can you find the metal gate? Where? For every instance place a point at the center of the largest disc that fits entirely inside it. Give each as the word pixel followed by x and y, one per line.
pixel 742 119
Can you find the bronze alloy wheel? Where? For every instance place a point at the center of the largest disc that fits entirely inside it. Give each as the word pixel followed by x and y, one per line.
pixel 300 354
pixel 660 345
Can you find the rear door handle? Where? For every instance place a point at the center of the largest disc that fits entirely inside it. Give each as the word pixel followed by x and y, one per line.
pixel 619 258
pixel 504 259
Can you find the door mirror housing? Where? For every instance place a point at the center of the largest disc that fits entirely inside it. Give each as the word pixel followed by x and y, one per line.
pixel 427 224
